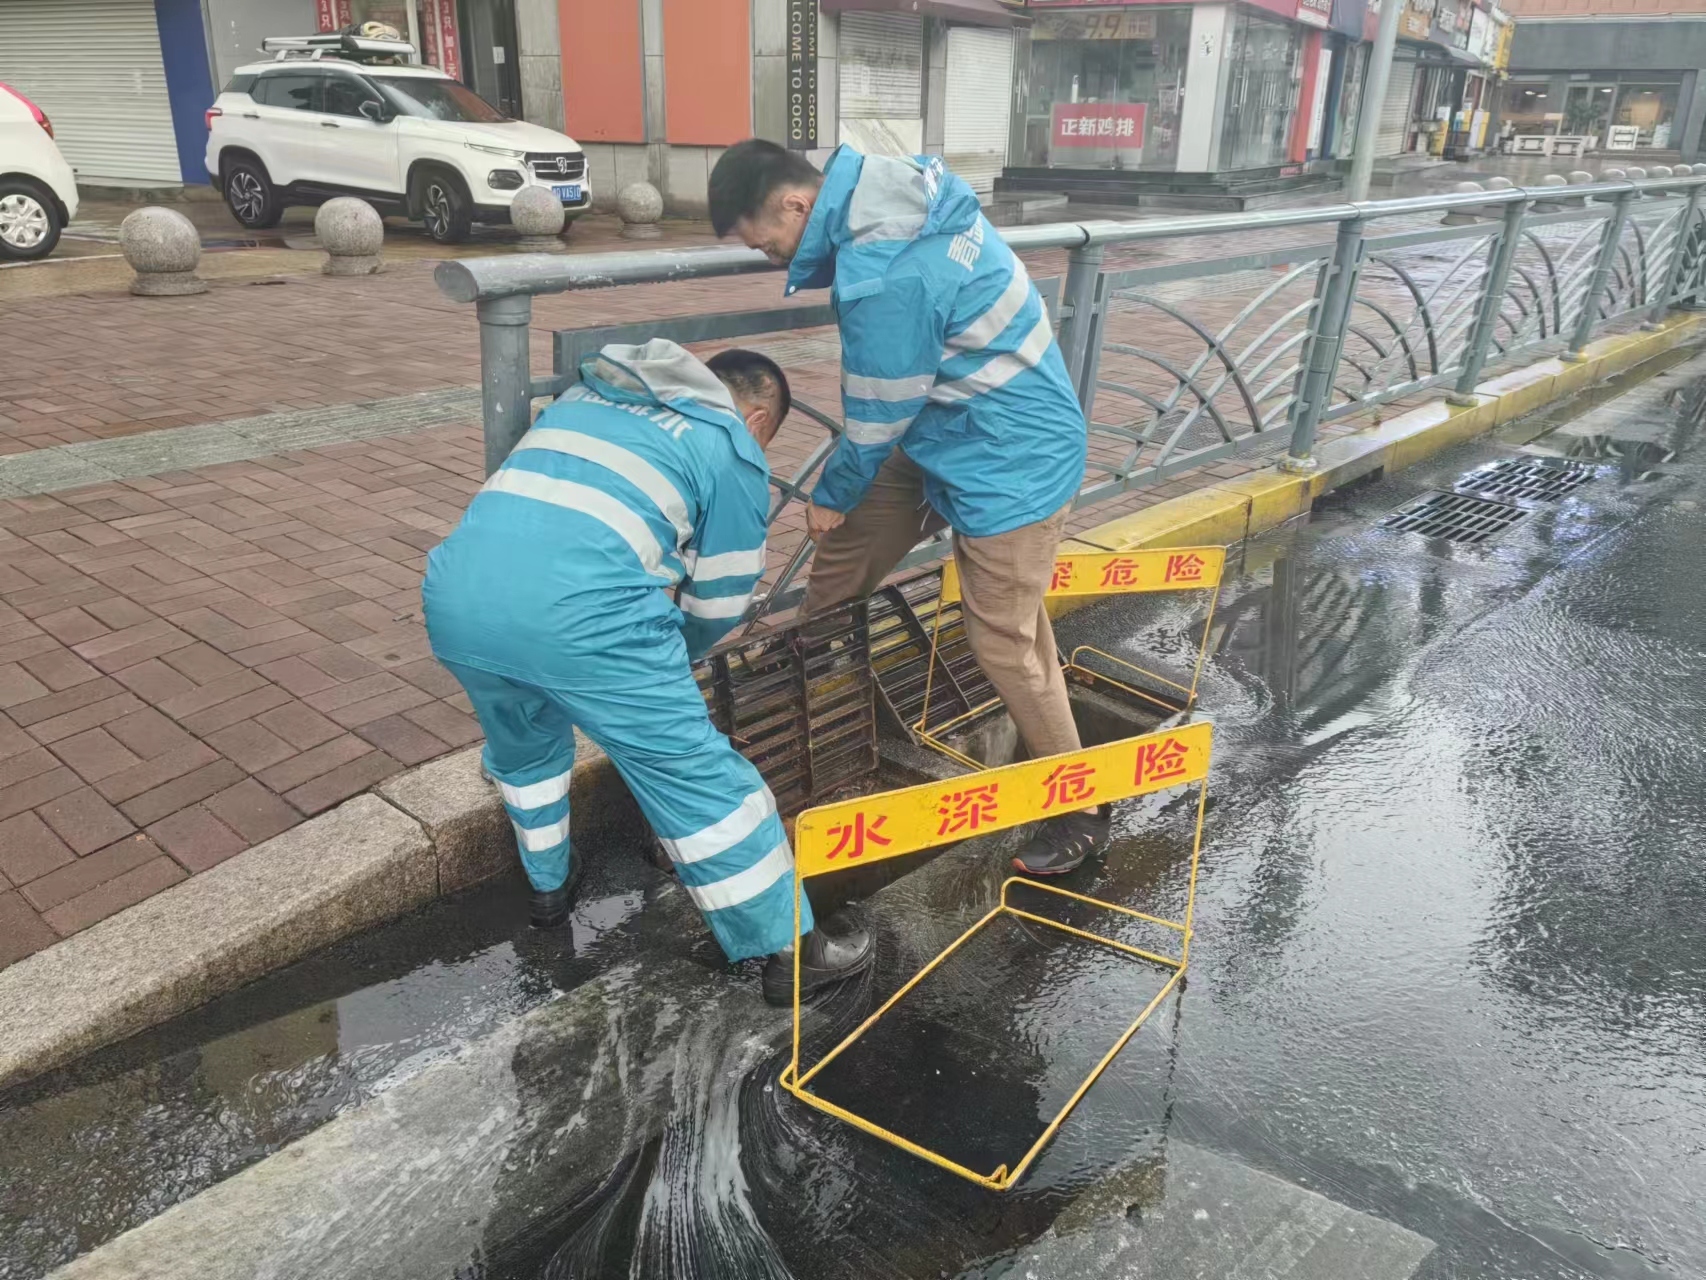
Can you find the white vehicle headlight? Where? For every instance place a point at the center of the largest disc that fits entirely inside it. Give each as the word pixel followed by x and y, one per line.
pixel 509 153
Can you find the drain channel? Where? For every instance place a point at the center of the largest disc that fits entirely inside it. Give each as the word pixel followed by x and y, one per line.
pixel 1456 517
pixel 1527 479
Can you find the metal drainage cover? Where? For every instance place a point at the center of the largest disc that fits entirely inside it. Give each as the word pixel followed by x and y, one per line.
pixel 1457 517
pixel 1527 479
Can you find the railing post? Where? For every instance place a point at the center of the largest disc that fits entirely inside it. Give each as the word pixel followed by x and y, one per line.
pixel 1084 265
pixel 1673 272
pixel 506 398
pixel 1324 345
pixel 1486 323
pixel 1601 274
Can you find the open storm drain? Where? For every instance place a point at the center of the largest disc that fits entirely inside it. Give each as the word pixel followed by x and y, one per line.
pixel 1458 517
pixel 1527 479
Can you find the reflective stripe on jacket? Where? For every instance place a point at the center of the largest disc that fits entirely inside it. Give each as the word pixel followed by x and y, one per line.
pixel 639 479
pixel 946 347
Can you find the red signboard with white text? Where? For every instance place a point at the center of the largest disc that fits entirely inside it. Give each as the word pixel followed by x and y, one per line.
pixel 1099 124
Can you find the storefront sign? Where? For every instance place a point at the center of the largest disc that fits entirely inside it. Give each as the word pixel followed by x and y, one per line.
pixel 1315 13
pixel 441 42
pixel 802 74
pixel 1121 24
pixel 1099 124
pixel 1417 17
pixel 332 15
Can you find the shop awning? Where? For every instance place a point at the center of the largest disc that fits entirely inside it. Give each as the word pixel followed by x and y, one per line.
pixel 982 13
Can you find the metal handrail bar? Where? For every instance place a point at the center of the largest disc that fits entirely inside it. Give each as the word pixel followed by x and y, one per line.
pixel 1590 279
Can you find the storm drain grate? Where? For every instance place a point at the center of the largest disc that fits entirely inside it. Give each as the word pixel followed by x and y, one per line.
pixel 1527 479
pixel 1458 517
pixel 800 704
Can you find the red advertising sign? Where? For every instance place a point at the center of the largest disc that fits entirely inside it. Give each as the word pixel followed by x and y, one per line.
pixel 449 39
pixel 1099 124
pixel 325 15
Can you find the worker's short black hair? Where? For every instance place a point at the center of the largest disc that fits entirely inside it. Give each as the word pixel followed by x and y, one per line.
pixel 747 173
pixel 753 375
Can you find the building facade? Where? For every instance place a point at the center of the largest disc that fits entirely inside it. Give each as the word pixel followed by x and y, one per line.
pixel 1612 77
pixel 1182 88
pixel 1440 98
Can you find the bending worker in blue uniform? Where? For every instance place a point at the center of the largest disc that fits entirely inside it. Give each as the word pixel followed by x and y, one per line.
pixel 958 411
pixel 620 540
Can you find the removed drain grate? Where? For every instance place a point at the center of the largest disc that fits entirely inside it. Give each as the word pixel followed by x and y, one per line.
pixel 1457 517
pixel 800 704
pixel 1530 479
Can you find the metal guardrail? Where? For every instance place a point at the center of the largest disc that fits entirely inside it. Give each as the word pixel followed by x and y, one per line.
pixel 1184 363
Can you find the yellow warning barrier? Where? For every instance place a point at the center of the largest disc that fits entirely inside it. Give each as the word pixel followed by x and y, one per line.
pixel 1095 573
pixel 892 823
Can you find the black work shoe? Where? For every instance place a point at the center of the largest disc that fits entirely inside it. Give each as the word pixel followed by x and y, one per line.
pixel 549 908
pixel 1061 844
pixel 826 960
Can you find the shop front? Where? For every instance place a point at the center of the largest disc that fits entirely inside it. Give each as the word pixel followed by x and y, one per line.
pixel 1106 88
pixel 1177 98
pixel 1619 85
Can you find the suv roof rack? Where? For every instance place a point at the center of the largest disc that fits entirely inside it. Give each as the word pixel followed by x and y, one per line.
pixel 338 44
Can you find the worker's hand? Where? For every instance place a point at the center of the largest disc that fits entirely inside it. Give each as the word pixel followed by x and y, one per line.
pixel 820 520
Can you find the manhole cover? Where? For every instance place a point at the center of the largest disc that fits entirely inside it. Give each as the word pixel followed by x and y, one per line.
pixel 1457 517
pixel 1531 479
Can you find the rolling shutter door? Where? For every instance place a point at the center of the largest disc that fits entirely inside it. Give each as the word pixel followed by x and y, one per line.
pixel 882 65
pixel 979 102
pixel 1395 110
pixel 94 67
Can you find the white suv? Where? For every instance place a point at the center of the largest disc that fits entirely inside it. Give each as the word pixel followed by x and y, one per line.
pixel 408 139
pixel 38 191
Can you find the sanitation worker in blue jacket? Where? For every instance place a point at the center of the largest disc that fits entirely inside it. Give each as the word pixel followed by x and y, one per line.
pixel 947 353
pixel 620 540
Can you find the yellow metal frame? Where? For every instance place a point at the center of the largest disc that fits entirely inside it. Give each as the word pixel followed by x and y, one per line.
pixel 936 737
pixel 1003 1177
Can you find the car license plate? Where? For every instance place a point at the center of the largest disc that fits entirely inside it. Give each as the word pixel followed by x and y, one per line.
pixel 568 192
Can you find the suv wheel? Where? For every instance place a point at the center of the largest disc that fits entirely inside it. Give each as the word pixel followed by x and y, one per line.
pixel 446 211
pixel 250 195
pixel 29 222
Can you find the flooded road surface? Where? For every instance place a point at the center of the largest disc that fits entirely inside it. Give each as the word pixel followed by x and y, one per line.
pixel 1448 982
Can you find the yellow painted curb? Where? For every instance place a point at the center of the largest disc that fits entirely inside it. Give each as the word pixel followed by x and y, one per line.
pixel 1230 510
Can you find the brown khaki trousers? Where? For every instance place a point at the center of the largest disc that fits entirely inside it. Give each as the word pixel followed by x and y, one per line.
pixel 1003 578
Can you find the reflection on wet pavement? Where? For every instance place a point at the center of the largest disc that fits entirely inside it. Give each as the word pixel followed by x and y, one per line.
pixel 1448 981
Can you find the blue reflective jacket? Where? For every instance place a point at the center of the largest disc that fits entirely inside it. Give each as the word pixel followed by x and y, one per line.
pixel 946 348
pixel 639 479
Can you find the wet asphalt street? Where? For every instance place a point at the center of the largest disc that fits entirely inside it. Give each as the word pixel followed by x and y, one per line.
pixel 1449 969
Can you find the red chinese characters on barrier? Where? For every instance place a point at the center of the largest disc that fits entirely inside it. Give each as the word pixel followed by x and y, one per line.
pixel 1120 573
pixel 1159 761
pixel 1098 124
pixel 1069 784
pixel 1187 568
pixel 970 810
pixel 850 837
pixel 1062 579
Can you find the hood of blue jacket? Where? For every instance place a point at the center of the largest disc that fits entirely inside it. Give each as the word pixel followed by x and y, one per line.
pixel 882 204
pixel 663 373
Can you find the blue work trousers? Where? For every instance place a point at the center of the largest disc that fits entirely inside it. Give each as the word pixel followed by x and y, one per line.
pixel 704 799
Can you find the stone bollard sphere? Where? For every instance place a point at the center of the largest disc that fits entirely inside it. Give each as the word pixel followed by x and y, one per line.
pixel 352 234
pixel 538 215
pixel 1499 183
pixel 1580 177
pixel 1461 217
pixel 162 247
pixel 639 205
pixel 1662 171
pixel 1683 170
